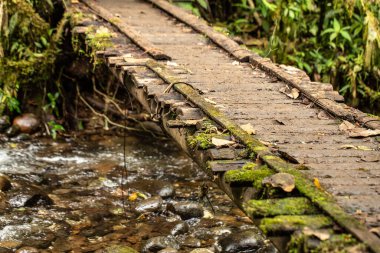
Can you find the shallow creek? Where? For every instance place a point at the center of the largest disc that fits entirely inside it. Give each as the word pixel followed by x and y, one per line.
pixel 67 196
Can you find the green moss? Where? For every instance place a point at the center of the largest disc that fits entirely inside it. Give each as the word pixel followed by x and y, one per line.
pixel 290 223
pixel 274 207
pixel 250 172
pixel 340 244
pixel 203 140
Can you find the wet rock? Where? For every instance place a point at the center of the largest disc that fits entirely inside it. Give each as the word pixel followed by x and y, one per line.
pixel 9 246
pixel 180 228
pixel 27 123
pixel 158 243
pixel 5 183
pixel 201 250
pixel 153 204
pixel 4 122
pixel 244 241
pixel 187 210
pixel 168 250
pixel 119 249
pixel 167 190
pixel 27 250
pixel 29 198
pixel 192 242
pixel 154 187
pixel 21 137
pixel 12 131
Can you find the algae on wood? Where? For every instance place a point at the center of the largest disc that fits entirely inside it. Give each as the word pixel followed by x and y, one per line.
pixel 274 207
pixel 290 223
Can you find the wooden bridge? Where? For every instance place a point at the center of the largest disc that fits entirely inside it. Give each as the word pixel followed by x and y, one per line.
pixel 287 150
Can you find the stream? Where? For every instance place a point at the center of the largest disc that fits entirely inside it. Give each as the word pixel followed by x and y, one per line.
pixel 70 196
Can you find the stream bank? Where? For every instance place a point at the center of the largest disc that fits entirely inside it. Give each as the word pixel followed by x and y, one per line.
pixel 67 196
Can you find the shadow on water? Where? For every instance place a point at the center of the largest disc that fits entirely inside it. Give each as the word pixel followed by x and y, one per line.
pixel 68 197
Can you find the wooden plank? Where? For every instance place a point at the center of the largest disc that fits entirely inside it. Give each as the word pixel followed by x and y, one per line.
pixel 156 53
pixel 226 165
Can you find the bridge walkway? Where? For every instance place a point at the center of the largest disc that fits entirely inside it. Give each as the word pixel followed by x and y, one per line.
pixel 302 126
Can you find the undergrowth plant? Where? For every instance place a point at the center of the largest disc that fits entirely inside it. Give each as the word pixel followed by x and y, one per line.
pixel 333 41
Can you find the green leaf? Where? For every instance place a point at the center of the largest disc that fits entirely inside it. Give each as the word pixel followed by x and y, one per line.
pixel 203 3
pixel 345 35
pixel 333 36
pixel 336 25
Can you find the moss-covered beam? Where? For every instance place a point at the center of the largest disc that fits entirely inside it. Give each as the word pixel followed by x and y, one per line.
pixel 291 223
pixel 304 185
pixel 274 207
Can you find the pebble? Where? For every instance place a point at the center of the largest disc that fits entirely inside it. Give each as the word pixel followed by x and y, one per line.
pixel 12 131
pixel 152 204
pixel 187 210
pixel 27 123
pixel 5 183
pixel 167 190
pixel 201 250
pixel 244 241
pixel 168 250
pixel 119 249
pixel 180 228
pixel 192 242
pixel 27 250
pixel 4 122
pixel 158 243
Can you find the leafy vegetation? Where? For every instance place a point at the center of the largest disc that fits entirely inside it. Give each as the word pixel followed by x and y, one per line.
pixel 29 40
pixel 333 41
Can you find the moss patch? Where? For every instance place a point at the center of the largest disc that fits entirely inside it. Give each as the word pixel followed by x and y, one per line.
pixel 274 207
pixel 203 140
pixel 290 223
pixel 250 172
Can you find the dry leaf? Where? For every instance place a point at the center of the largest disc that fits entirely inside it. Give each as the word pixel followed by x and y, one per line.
pixel 292 93
pixel 323 115
pixel 74 1
pixel 284 181
pixel 345 126
pixel 210 101
pixel 364 148
pixel 375 230
pixel 171 63
pixel 221 142
pixel 370 158
pixel 347 147
pixel 133 196
pixel 248 128
pixel 235 63
pixel 362 132
pixel 321 234
pixel 317 183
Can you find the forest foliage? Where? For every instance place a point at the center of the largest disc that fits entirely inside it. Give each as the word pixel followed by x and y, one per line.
pixel 28 48
pixel 333 41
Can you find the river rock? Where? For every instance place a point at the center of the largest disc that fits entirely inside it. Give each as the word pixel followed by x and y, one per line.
pixel 5 183
pixel 21 137
pixel 166 190
pixel 180 228
pixel 168 250
pixel 187 210
pixel 201 250
pixel 27 123
pixel 153 204
pixel 4 122
pixel 158 243
pixel 243 241
pixel 119 249
pixel 12 131
pixel 27 250
pixel 192 242
pixel 29 197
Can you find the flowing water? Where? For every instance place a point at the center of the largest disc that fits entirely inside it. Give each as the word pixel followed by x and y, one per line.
pixel 70 196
